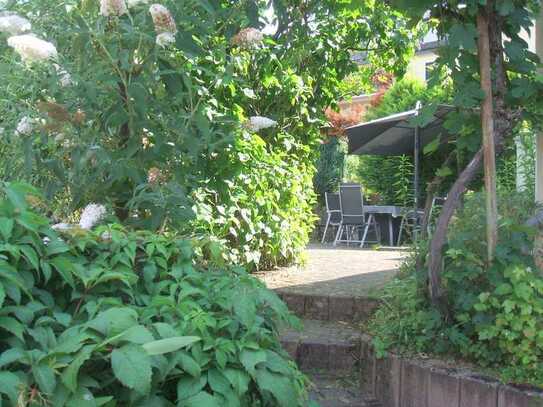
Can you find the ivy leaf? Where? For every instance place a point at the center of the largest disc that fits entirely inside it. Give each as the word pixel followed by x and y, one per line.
pixel 167 345
pixel 132 367
pixel 189 386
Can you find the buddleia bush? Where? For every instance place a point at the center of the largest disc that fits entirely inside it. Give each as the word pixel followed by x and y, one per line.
pixel 116 318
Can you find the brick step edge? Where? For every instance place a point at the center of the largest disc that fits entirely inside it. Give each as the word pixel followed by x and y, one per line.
pixel 330 308
pixel 397 381
pixel 323 354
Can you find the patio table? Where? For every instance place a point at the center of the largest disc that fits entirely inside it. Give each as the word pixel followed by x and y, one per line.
pixel 390 210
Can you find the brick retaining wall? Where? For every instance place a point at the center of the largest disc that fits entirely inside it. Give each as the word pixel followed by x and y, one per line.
pixel 402 382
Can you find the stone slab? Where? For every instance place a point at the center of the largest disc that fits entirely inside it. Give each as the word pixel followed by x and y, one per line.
pixel 317 307
pixel 509 396
pixel 414 384
pixel 295 303
pixel 341 308
pixel 443 389
pixel 364 308
pixel 478 392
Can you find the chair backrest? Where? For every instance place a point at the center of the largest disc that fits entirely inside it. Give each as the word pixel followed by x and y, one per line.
pixel 350 199
pixel 332 202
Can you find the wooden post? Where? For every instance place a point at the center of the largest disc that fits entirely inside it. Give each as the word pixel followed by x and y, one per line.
pixel 487 119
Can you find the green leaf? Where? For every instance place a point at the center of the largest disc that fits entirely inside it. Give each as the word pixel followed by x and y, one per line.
pixel 238 379
pixel 11 355
pixel 138 334
pixel 2 295
pixel 45 377
pixel 218 381
pixel 82 398
pixel 189 386
pixel 114 321
pixel 282 388
pixel 463 36
pixel 31 256
pixel 132 367
pixel 65 268
pixel 250 358
pixel 245 309
pixel 69 375
pixel 9 385
pixel 13 326
pixel 189 365
pixel 202 399
pixel 167 345
pixel 6 227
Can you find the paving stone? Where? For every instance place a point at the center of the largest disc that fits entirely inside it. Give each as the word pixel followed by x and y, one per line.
pixel 478 391
pixel 509 396
pixel 341 308
pixel 415 378
pixel 317 307
pixel 336 391
pixel 343 356
pixel 443 389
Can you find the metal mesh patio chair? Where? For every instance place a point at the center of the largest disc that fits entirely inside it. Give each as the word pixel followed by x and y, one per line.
pixel 411 221
pixel 333 212
pixel 353 218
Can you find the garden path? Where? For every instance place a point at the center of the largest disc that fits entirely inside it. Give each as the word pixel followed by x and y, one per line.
pixel 333 292
pixel 336 271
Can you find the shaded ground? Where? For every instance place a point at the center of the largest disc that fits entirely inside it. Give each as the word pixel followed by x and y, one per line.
pixel 337 271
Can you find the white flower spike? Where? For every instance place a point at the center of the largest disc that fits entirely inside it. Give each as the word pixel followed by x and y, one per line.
pixel 25 126
pixel 14 25
pixel 92 214
pixel 113 8
pixel 162 19
pixel 31 48
pixel 257 123
pixel 165 39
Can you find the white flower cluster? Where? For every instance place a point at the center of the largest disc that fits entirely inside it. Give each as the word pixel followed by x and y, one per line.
pixel 25 126
pixel 113 8
pixel 92 214
pixel 257 123
pixel 248 38
pixel 65 78
pixel 31 48
pixel 13 24
pixel 165 26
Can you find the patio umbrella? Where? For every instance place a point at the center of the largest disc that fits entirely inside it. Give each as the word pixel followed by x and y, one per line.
pixel 395 135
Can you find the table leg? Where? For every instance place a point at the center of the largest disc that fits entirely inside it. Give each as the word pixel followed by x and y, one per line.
pixel 390 231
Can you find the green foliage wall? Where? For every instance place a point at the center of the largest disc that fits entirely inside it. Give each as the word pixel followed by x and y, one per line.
pixel 329 167
pixel 151 129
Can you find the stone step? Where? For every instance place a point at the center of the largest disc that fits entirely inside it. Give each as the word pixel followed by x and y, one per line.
pixel 329 308
pixel 324 346
pixel 336 391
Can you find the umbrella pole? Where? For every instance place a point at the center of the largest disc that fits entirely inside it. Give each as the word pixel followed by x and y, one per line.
pixel 416 180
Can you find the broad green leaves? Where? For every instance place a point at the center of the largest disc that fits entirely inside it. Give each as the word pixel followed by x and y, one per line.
pixel 132 367
pixel 168 345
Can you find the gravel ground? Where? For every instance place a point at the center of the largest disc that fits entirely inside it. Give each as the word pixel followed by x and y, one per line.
pixel 338 271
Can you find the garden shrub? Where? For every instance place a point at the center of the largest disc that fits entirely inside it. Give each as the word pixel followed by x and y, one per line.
pixel 496 312
pixel 118 318
pixel 261 205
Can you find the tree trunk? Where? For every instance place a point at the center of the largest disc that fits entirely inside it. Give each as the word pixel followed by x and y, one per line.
pixel 504 120
pixel 487 121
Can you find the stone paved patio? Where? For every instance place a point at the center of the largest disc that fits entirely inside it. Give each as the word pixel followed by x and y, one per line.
pixel 337 271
